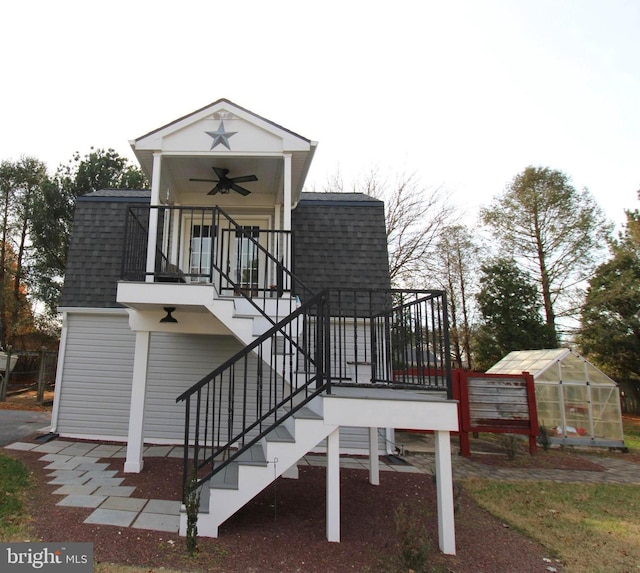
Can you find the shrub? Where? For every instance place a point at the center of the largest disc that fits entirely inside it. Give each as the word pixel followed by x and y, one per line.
pixel 510 445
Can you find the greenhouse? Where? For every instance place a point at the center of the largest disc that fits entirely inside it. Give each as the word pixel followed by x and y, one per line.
pixel 577 403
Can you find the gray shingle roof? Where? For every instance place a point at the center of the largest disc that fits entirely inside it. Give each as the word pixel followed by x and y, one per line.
pixel 339 242
pixel 95 252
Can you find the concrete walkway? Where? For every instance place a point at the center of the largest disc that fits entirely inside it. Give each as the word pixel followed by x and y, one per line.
pixel 85 480
pixel 419 453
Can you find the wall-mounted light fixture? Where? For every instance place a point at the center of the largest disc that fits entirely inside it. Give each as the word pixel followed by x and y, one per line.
pixel 169 318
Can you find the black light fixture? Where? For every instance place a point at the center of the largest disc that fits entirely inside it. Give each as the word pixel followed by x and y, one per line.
pixel 169 318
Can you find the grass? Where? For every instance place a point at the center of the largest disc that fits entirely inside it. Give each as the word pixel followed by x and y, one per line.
pixel 631 426
pixel 568 518
pixel 14 483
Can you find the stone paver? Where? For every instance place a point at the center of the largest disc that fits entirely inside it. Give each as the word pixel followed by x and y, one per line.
pixel 23 446
pixel 76 500
pixel 111 517
pixel 115 490
pixel 163 506
pixel 124 503
pixel 75 489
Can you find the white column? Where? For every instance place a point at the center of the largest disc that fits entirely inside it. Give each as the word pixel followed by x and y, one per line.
pixel 374 461
pixel 286 223
pixel 444 493
pixel 333 486
pixel 135 437
pixel 287 192
pixel 153 216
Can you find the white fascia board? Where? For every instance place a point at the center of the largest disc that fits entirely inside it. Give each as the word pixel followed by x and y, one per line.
pixel 386 413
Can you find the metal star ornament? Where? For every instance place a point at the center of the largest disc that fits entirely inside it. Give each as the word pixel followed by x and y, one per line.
pixel 220 136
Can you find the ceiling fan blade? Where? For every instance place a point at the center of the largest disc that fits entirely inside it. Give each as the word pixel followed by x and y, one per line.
pixel 240 190
pixel 244 178
pixel 221 172
pixel 208 180
pixel 213 191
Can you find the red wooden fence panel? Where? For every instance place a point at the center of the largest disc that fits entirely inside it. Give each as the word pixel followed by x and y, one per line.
pixel 495 403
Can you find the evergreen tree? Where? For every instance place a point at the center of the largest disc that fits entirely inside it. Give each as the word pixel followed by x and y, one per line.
pixel 509 304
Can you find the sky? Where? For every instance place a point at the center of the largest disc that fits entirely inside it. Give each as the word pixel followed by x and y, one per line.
pixel 464 94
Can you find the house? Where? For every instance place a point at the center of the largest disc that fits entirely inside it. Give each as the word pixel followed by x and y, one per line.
pixel 228 311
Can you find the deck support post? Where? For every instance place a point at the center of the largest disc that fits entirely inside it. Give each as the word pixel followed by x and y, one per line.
pixel 135 436
pixel 374 461
pixel 333 486
pixel 444 493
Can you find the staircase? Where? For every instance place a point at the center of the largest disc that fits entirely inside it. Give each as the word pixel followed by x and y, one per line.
pixel 256 468
pixel 252 418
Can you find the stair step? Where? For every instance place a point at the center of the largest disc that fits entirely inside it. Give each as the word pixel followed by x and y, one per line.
pixel 254 456
pixel 227 478
pixel 280 434
pixel 306 413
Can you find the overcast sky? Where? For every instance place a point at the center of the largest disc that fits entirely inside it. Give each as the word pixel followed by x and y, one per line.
pixel 465 94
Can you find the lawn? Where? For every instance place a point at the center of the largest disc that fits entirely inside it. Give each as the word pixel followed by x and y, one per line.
pixel 631 425
pixel 14 482
pixel 591 528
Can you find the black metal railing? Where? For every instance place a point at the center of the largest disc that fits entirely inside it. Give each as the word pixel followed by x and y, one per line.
pixel 237 404
pixel 200 244
pixel 390 338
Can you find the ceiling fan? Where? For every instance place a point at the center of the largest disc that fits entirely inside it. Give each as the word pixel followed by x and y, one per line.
pixel 224 184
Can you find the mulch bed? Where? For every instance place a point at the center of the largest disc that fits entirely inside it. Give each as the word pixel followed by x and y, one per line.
pixel 283 528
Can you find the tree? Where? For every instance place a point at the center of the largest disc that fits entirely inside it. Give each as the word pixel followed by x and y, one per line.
pixel 20 182
pixel 555 233
pixel 54 207
pixel 415 217
pixel 509 304
pixel 610 320
pixel 454 262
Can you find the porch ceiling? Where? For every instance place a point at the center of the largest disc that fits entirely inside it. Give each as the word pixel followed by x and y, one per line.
pixel 178 170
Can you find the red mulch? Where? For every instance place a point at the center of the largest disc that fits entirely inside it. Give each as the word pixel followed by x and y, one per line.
pixel 283 528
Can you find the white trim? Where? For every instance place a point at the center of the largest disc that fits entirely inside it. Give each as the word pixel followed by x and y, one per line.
pixel 62 348
pixel 94 437
pixel 91 310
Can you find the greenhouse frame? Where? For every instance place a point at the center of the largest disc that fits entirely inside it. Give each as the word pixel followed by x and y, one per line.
pixel 578 404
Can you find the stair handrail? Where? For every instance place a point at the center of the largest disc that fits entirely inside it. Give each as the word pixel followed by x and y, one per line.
pixel 274 414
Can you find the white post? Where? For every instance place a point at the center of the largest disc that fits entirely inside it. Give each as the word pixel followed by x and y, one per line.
pixel 287 212
pixel 287 192
pixel 135 437
pixel 444 493
pixel 153 217
pixel 333 486
pixel 374 461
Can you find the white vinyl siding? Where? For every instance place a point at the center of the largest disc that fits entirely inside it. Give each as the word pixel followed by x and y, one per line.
pixel 96 383
pixel 177 362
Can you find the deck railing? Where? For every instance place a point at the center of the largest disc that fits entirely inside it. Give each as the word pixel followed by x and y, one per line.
pixel 198 244
pixel 392 338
